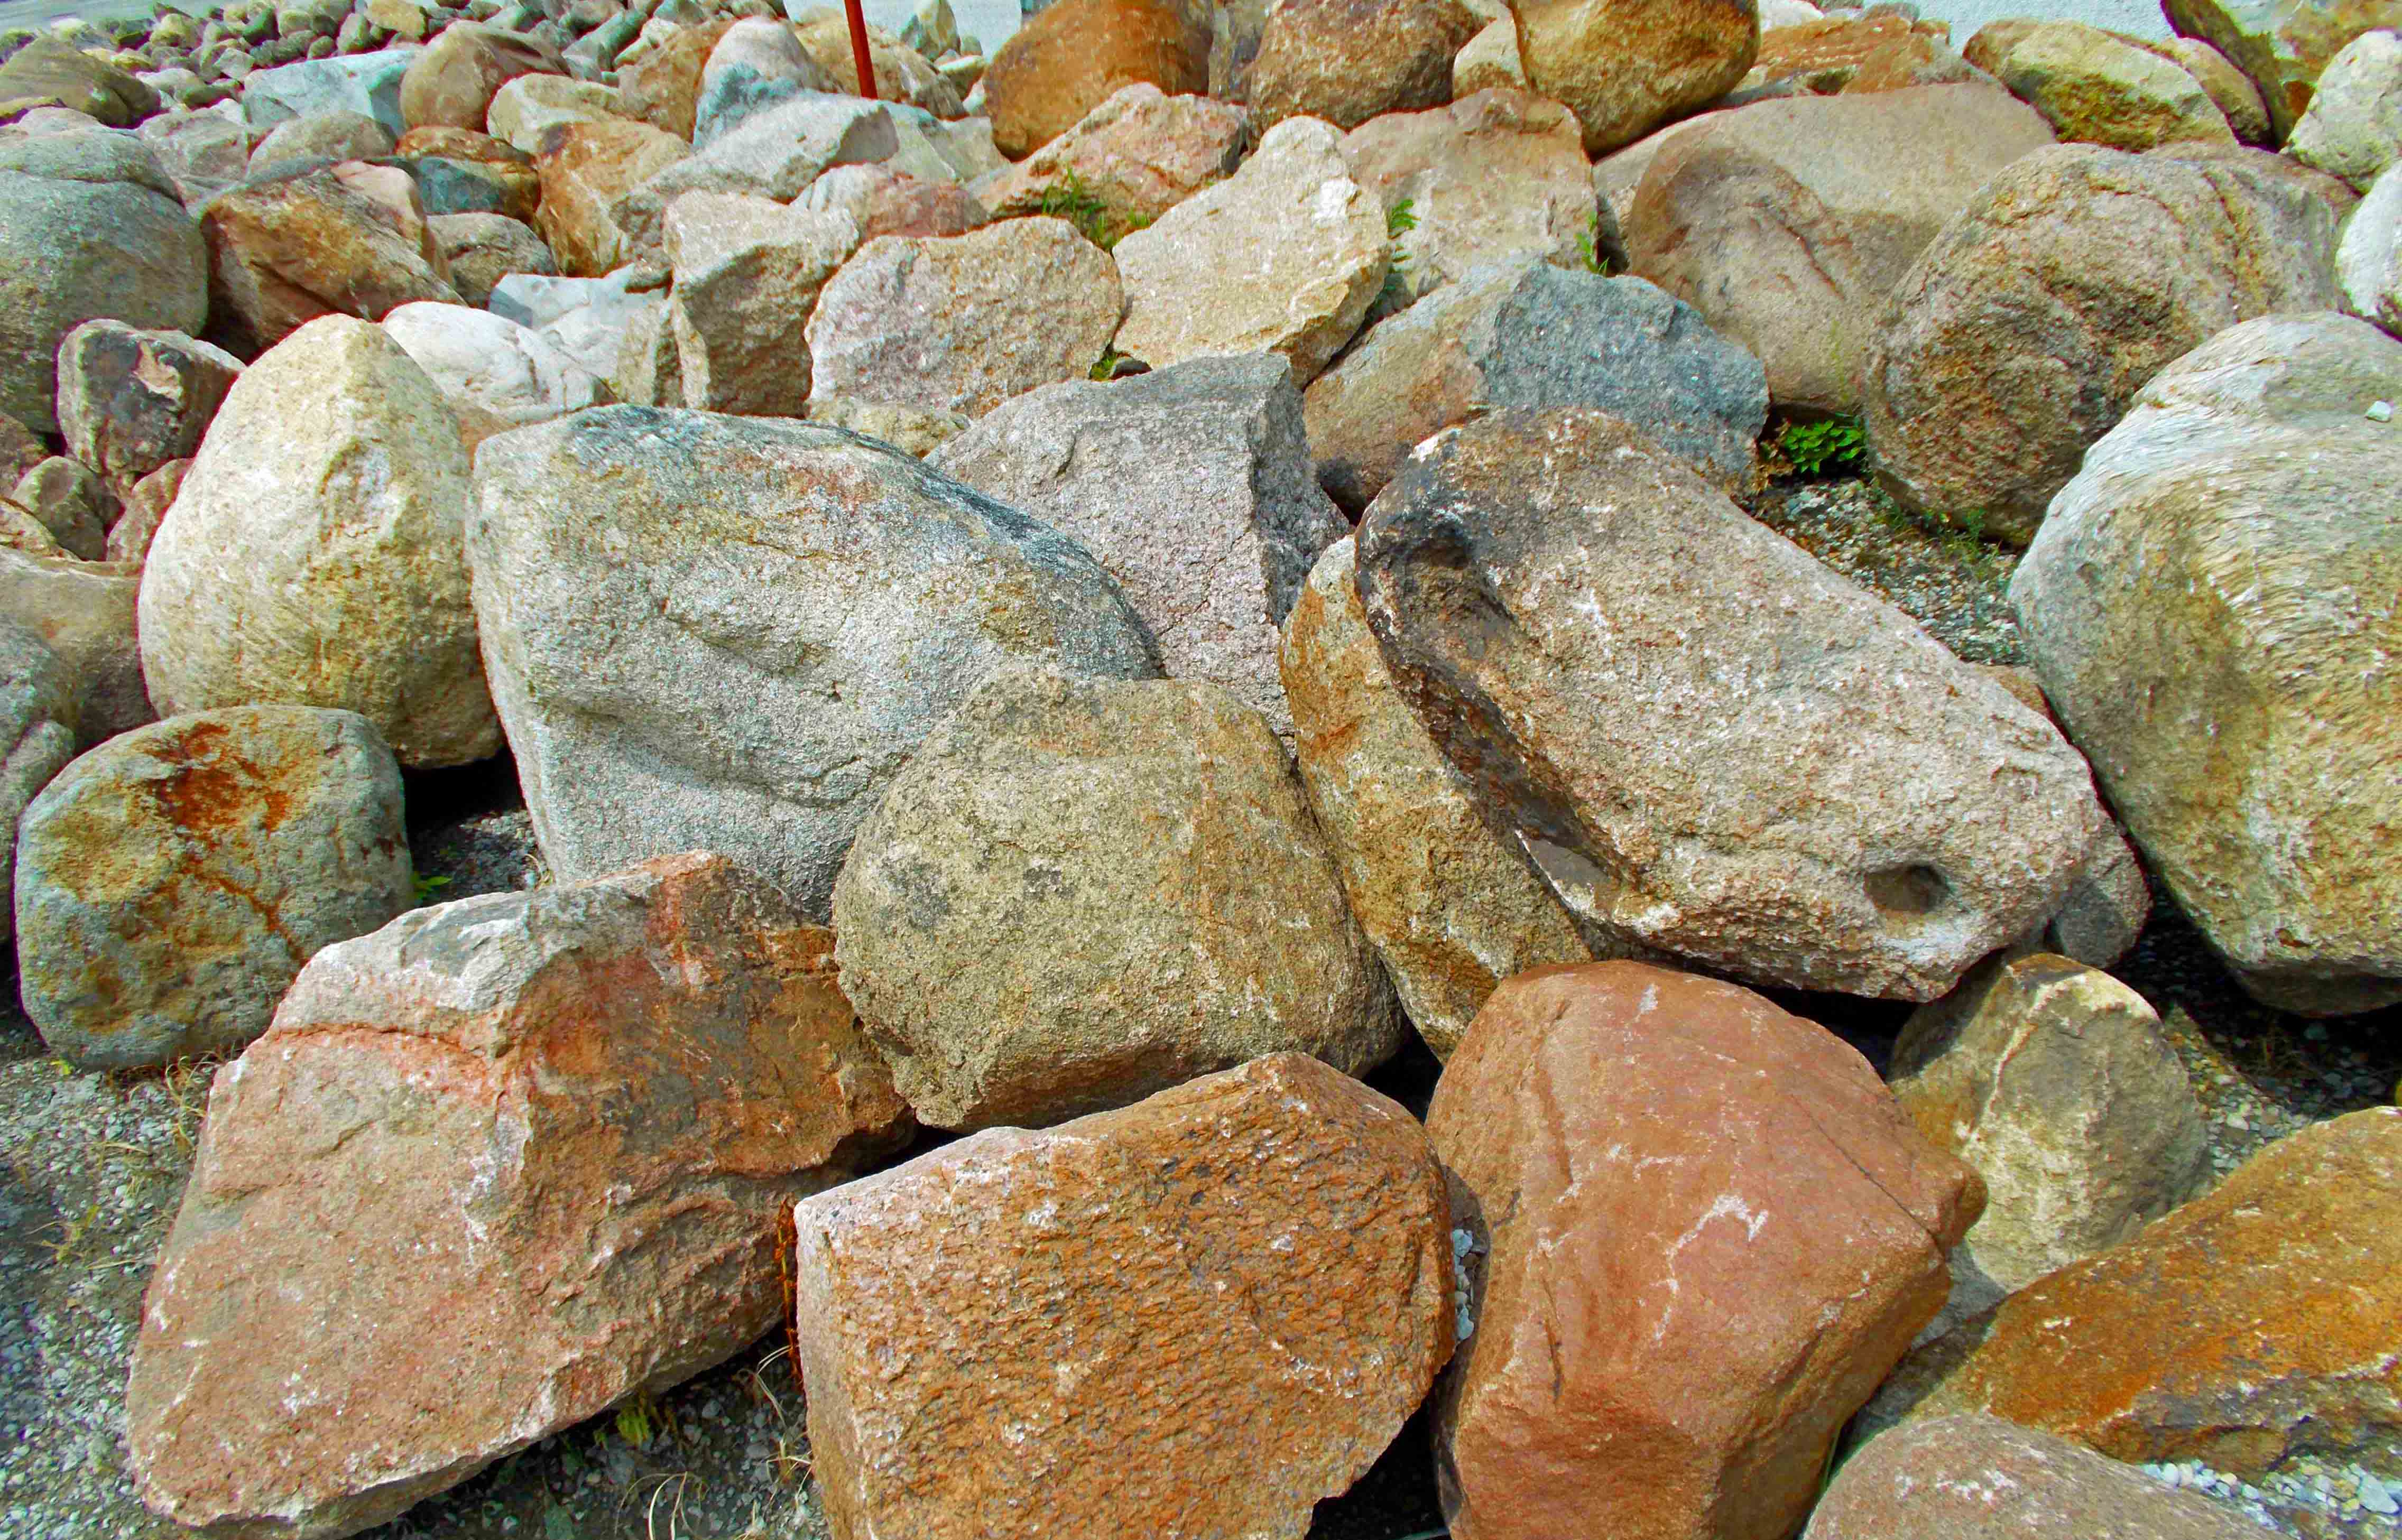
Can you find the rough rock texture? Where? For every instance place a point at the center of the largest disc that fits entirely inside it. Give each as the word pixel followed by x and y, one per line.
pixel 2354 127
pixel 494 372
pixel 2053 1083
pixel 1489 61
pixel 1708 743
pixel 89 226
pixel 880 201
pixel 68 502
pixel 731 633
pixel 2098 87
pixel 903 75
pixel 593 321
pixel 1977 1478
pixel 964 322
pixel 314 554
pixel 145 506
pixel 1710 1235
pixel 1826 55
pixel 1201 281
pixel 1072 55
pixel 747 273
pixel 662 87
pixel 1142 856
pixel 2249 1327
pixel 172 882
pixel 2282 45
pixel 1450 910
pixel 481 249
pixel 83 610
pixel 1192 486
pixel 586 168
pixel 1626 66
pixel 1497 176
pixel 1283 1284
pixel 1491 343
pixel 2205 525
pixel 2368 263
pixel 1787 223
pixel 452 81
pixel 757 63
pixel 1140 154
pixel 907 429
pixel 51 70
pixel 365 83
pixel 321 136
pixel 2069 281
pixel 499 1166
pixel 37 733
pixel 525 111
pixel 1349 60
pixel 2237 99
pixel 776 153
pixel 130 400
pixel 319 242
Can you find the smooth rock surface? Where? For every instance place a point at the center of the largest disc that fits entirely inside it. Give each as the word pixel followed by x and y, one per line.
pixel 2102 88
pixel 2354 127
pixel 1345 61
pixel 1624 67
pixel 1073 55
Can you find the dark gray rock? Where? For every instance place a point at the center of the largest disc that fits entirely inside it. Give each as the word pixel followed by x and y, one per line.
pixel 130 401
pixel 37 736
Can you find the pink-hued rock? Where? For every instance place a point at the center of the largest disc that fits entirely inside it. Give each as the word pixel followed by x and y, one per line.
pixel 1140 153
pixel 1711 1233
pixel 492 1169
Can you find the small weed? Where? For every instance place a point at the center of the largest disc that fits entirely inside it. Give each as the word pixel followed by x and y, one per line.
pixel 1396 295
pixel 1589 247
pixel 1114 364
pixel 1400 219
pixel 1831 446
pixel 427 887
pixel 637 1421
pixel 1962 535
pixel 1072 199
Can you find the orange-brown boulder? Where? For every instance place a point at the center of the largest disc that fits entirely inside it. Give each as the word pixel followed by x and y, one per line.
pixel 1074 54
pixel 492 1169
pixel 2252 1325
pixel 586 168
pixel 1196 1315
pixel 1709 1234
pixel 662 87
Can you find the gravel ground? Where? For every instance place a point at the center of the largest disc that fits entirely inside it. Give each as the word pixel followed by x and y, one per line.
pixel 1957 587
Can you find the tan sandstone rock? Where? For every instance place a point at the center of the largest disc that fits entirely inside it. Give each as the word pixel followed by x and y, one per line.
pixel 1349 61
pixel 586 168
pixel 1624 67
pixel 1140 154
pixel 1073 55
pixel 453 82
pixel 323 241
pixel 2096 87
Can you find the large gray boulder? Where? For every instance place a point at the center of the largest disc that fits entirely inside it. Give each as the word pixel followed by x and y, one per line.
pixel 89 226
pixel 172 882
pixel 2211 607
pixel 726 633
pixel 1192 486
pixel 1706 742
pixel 1082 891
pixel 38 734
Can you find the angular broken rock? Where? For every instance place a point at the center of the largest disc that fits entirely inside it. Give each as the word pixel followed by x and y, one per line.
pixel 755 64
pixel 883 201
pixel 1203 280
pixel 964 322
pixel 130 401
pixel 315 553
pixel 1142 856
pixel 1450 910
pixel 482 249
pixel 1709 1232
pixel 70 502
pixel 2247 1328
pixel 528 108
pixel 1282 1281
pixel 731 633
pixel 172 882
pixel 1626 66
pixel 1486 343
pixel 586 169
pixel 494 372
pixel 2053 1081
pixel 748 272
pixel 496 1167
pixel 1192 486
pixel 317 243
pixel 1709 744
pixel 1138 154
pixel 2102 88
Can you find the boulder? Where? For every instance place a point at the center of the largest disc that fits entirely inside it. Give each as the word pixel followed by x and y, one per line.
pixel 757 63
pixel 1349 60
pixel 83 611
pixel 2248 1329
pixel 146 506
pixel 2369 260
pixel 907 429
pixel 551 1134
pixel 934 150
pixel 130 400
pixel 1201 282
pixel 172 883
pixel 525 110
pixel 879 200
pixel 202 153
pixel 903 75
pixel 2203 527
pixel 2353 126
pixel 662 87
pixel 46 70
pixel 2098 87
pixel 1450 910
pixel 314 555
pixel 1492 342
pixel 1138 154
pixel 2053 1083
pixel 1788 223
pixel 1707 743
pixel 774 153
pixel 1978 1478
pixel 747 273
pixel 1192 485
pixel 1072 55
pixel 368 83
pixel 335 135
pixel 2282 45
pixel 494 372
pixel 89 226
pixel 70 502
pixel 2237 99
pixel 37 736
pixel 482 249
pixel 2070 277
pixel 586 170
pixel 21 532
pixel 452 80
pixel 319 242
pixel 1704 1232
pixel 590 320
pixel 1624 67
pixel 731 633
pixel 1489 60
pixel 1282 1285
pixel 1829 54
pixel 964 322
pixel 1142 854
pixel 1497 176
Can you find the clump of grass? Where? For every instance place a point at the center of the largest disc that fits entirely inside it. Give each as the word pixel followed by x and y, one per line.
pixel 1832 446
pixel 1589 247
pixel 428 886
pixel 1400 220
pixel 1072 199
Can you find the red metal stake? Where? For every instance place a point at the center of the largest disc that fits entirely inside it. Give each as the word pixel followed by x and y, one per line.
pixel 860 58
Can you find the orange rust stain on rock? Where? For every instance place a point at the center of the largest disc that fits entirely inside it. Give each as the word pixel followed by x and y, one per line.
pixel 210 790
